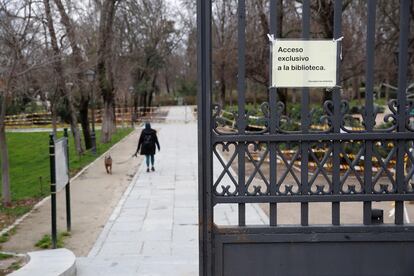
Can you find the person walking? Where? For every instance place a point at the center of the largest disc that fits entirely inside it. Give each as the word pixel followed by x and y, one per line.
pixel 146 143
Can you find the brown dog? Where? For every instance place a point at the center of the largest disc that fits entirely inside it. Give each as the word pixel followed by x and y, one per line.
pixel 108 164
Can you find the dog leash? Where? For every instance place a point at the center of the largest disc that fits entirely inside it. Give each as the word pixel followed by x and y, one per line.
pixel 123 162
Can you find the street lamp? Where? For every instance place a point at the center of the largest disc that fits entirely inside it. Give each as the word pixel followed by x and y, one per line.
pixel 90 75
pixel 69 85
pixel 131 91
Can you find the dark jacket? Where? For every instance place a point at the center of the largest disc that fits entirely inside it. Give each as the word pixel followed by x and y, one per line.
pixel 147 141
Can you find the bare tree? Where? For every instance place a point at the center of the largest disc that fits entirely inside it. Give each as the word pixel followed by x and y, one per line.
pixel 225 41
pixel 78 64
pixel 17 35
pixel 151 38
pixel 61 86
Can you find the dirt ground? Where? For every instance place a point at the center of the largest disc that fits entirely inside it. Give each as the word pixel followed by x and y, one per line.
pixel 11 263
pixel 94 195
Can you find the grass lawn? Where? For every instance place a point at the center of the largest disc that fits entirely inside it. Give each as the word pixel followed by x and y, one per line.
pixel 30 171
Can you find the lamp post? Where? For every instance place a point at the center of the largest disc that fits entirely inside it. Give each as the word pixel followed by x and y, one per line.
pixel 131 91
pixel 90 75
pixel 69 86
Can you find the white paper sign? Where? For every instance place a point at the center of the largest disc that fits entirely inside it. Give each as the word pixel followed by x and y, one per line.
pixel 61 164
pixel 304 63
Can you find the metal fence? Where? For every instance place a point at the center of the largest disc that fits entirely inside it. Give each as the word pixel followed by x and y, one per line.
pixel 122 115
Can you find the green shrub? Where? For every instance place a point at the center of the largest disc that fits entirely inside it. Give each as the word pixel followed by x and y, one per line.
pixel 4 256
pixel 46 241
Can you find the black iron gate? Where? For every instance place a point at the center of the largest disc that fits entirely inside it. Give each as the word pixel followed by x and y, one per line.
pixel 304 249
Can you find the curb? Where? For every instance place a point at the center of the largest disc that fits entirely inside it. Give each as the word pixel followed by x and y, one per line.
pixel 54 262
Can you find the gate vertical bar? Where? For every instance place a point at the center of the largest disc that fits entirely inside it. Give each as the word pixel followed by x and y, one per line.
pixel 402 107
pixel 336 97
pixel 272 121
pixel 305 122
pixel 241 118
pixel 369 107
pixel 205 171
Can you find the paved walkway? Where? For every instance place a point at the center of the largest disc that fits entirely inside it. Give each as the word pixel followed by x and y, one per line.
pixel 154 230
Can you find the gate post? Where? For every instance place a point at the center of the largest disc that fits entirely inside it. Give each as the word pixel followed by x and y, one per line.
pixel 205 163
pixel 53 189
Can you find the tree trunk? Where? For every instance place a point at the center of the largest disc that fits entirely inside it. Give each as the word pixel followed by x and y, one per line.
pixel 135 103
pixel 151 94
pixel 231 95
pixel 144 102
pixel 150 100
pixel 108 120
pixel 282 95
pixel 167 84
pixel 84 120
pixel 279 14
pixel 325 17
pixel 294 94
pixel 153 90
pixel 104 68
pixel 327 96
pixel 124 112
pixel 355 87
pixel 54 118
pixel 222 97
pixel 6 195
pixel 387 90
pixel 74 127
pixel 114 120
pixel 254 98
pixel 223 92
